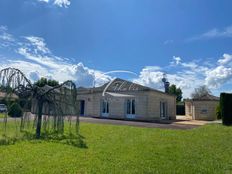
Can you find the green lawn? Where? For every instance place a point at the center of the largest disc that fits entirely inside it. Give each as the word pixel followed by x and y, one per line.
pixel 124 149
pixel 2 115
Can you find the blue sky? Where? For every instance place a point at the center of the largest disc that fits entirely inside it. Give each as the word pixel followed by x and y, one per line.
pixel 82 40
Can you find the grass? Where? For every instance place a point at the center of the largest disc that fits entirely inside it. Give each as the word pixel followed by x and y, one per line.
pixel 2 115
pixel 124 149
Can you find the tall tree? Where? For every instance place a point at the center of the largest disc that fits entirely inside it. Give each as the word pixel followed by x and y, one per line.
pixel 175 91
pixel 200 91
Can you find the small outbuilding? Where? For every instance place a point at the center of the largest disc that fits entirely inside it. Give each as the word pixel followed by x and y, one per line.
pixel 202 108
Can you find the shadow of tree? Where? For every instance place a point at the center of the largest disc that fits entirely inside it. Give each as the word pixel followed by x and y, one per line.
pixel 69 139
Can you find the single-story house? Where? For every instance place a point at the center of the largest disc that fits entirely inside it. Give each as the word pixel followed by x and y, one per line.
pixel 202 108
pixel 122 99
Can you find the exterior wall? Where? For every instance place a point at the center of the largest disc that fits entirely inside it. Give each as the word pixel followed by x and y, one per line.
pixel 141 101
pixel 116 107
pixel 205 110
pixel 154 105
pixel 92 104
pixel 188 108
pixel 147 105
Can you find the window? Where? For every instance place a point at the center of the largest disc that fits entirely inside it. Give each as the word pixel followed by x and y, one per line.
pixel 105 106
pixel 131 107
pixel 163 110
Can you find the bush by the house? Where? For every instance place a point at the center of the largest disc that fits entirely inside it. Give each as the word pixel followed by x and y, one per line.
pixel 226 109
pixel 15 110
pixel 218 112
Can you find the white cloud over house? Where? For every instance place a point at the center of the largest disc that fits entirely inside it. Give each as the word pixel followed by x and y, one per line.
pixel 218 76
pixel 36 60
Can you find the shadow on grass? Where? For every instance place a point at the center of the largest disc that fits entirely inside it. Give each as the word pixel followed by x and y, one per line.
pixel 69 139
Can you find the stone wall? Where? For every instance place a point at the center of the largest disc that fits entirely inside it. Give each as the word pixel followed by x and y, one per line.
pixel 188 108
pixel 205 110
pixel 154 105
pixel 147 105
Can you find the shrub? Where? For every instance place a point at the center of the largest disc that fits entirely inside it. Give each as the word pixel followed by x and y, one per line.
pixel 218 112
pixel 15 110
pixel 226 109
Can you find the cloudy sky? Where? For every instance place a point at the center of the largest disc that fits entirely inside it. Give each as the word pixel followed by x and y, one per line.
pixel 91 41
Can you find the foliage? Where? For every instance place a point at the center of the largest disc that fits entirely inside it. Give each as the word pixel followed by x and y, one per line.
pixel 200 91
pixel 116 149
pixel 15 110
pixel 218 112
pixel 49 101
pixel 44 81
pixel 5 88
pixel 226 109
pixel 175 91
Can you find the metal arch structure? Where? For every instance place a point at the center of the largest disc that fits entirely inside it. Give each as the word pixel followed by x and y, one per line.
pixel 50 105
pixel 14 79
pixel 119 85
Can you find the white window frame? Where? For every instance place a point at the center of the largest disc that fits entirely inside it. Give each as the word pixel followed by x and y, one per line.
pixel 105 108
pixel 131 113
pixel 163 110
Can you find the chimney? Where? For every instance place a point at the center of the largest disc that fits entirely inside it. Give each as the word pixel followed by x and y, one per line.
pixel 166 83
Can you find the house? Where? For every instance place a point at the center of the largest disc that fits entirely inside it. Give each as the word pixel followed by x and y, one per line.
pixel 4 95
pixel 202 108
pixel 121 99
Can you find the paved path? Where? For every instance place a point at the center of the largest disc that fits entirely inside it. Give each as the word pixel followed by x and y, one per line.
pixel 171 125
pixel 181 122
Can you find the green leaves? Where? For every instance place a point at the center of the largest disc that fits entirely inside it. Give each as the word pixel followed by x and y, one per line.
pixel 44 81
pixel 175 91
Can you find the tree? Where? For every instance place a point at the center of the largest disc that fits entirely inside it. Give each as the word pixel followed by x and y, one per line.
pixel 15 110
pixel 54 100
pixel 175 91
pixel 43 81
pixel 200 91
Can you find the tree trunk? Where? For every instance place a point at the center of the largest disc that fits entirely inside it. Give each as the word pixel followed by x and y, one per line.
pixel 39 121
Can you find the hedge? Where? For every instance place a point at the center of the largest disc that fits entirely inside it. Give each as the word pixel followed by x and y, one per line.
pixel 15 110
pixel 226 108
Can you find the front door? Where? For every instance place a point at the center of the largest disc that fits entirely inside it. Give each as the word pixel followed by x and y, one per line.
pixel 130 108
pixel 82 107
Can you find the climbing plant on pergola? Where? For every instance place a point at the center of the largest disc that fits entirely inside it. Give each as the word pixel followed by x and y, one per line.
pixel 46 106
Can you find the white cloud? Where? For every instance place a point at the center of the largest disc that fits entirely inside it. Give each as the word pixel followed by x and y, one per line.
pixel 36 60
pixel 59 3
pixel 150 77
pixel 38 43
pixel 225 59
pixel 6 39
pixel 218 76
pixel 176 60
pixel 34 75
pixel 189 75
pixel 185 80
pixel 214 33
pixel 47 1
pixel 62 3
